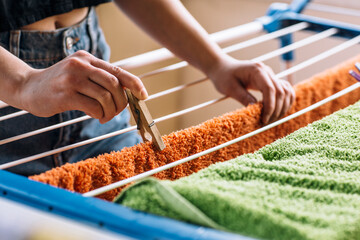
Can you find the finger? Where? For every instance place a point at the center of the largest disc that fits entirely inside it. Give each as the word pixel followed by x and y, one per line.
pixel 287 99
pixel 111 84
pixel 290 89
pixel 126 79
pixel 269 70
pixel 279 102
pixel 268 91
pixel 239 93
pixel 292 92
pixel 101 95
pixel 86 104
pixel 281 95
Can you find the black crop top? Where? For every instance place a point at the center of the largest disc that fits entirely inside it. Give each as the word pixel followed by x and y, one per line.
pixel 17 13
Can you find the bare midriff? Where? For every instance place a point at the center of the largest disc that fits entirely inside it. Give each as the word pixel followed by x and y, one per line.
pixel 58 21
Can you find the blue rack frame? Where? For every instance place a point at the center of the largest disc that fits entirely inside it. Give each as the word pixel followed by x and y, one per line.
pixel 101 214
pixel 280 15
pixel 118 219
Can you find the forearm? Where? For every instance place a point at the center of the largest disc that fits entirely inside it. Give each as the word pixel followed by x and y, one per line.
pixel 13 73
pixel 172 25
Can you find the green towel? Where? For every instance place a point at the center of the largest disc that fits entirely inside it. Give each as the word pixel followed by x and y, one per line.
pixel 304 186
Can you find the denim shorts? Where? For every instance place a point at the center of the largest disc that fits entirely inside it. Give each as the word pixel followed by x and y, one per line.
pixel 41 49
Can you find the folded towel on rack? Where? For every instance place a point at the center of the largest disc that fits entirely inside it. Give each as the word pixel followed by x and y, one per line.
pixel 112 167
pixel 304 186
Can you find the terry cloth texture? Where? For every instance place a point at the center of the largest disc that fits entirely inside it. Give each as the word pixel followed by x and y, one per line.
pixel 112 167
pixel 304 186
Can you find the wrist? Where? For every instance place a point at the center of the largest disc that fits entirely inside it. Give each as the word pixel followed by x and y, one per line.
pixel 218 65
pixel 20 83
pixel 14 73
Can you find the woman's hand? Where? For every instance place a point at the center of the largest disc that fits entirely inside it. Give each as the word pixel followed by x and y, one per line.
pixel 79 82
pixel 234 78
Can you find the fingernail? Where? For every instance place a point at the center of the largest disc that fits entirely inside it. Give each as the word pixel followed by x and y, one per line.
pixel 143 94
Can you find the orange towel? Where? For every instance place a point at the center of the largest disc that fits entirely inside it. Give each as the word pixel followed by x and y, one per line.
pixel 111 167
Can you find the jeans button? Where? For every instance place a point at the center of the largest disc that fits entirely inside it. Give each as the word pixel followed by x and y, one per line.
pixel 69 42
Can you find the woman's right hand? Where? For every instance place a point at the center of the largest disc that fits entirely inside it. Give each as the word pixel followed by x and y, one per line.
pixel 79 82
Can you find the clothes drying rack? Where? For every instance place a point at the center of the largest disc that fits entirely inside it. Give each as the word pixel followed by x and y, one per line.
pixel 280 22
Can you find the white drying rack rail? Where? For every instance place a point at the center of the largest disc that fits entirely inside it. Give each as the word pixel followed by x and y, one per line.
pixel 162 54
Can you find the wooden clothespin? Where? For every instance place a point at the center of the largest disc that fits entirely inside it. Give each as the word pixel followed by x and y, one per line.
pixel 144 121
pixel 355 74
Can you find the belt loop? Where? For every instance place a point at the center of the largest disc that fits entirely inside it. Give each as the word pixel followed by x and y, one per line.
pixel 14 42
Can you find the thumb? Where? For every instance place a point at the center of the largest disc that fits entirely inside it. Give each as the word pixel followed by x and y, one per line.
pixel 242 95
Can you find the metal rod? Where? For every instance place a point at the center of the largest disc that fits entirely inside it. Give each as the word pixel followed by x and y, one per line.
pixel 218 147
pixel 42 130
pixel 102 137
pixel 13 115
pixel 178 88
pixel 62 149
pixel 333 9
pixel 292 70
pixel 264 57
pixel 320 57
pixel 236 47
pixel 291 29
pixel 298 67
pixel 191 109
pixel 293 46
pixel 296 45
pixel 219 37
pixel 164 54
pixel 175 89
pixel 80 119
